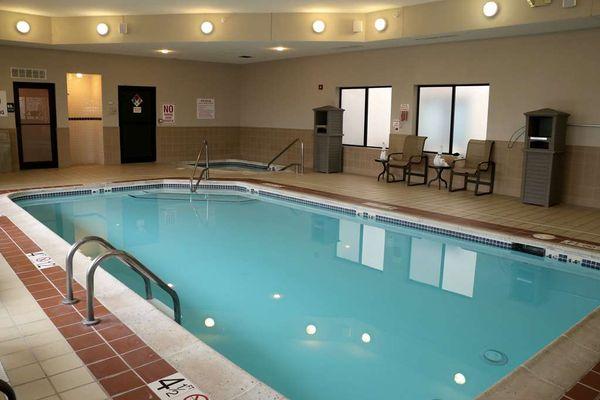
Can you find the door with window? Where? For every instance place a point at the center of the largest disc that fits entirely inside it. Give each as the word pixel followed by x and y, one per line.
pixel 137 123
pixel 35 117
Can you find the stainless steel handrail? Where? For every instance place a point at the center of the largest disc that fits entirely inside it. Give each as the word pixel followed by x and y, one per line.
pixel 134 263
pixel 69 299
pixel 300 165
pixel 204 171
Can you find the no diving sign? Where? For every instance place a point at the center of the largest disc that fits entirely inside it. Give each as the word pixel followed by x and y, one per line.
pixel 41 260
pixel 176 387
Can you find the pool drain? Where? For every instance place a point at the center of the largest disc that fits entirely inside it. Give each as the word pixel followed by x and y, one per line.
pixel 495 357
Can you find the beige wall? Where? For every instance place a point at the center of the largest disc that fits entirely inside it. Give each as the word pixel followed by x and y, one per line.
pixel 525 73
pixel 179 82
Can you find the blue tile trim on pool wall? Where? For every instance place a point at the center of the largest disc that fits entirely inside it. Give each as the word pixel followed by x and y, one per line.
pixel 592 264
pixel 330 207
pixel 446 232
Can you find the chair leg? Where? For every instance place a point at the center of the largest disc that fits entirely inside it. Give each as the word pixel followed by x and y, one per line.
pixel 407 174
pixel 465 178
pixel 477 179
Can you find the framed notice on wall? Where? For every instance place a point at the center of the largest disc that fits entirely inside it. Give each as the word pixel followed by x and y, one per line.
pixel 168 113
pixel 3 109
pixel 205 108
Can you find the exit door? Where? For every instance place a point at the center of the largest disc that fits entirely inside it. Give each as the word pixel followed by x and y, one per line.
pixel 137 123
pixel 35 117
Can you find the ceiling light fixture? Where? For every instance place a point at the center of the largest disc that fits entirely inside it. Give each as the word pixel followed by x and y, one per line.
pixel 318 26
pixel 207 27
pixel 164 51
pixel 380 24
pixel 23 27
pixel 490 9
pixel 102 29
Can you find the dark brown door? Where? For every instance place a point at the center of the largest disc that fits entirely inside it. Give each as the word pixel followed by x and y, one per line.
pixel 137 123
pixel 35 116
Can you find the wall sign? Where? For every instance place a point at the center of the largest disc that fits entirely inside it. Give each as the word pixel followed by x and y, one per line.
pixel 168 113
pixel 137 102
pixel 205 108
pixel 3 104
pixel 176 387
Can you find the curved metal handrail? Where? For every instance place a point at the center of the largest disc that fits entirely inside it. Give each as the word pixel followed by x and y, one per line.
pixel 299 166
pixel 134 263
pixel 7 390
pixel 69 299
pixel 205 170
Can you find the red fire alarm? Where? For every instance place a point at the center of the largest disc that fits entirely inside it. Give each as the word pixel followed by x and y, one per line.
pixel 320 86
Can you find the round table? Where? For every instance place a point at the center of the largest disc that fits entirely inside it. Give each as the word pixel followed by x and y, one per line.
pixel 439 169
pixel 384 163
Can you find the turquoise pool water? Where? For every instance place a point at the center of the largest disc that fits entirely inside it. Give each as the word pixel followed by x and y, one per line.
pixel 397 313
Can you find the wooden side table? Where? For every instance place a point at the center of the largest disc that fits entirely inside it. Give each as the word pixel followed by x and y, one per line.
pixel 439 170
pixel 384 164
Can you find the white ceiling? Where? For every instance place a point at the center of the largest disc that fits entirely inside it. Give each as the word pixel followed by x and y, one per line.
pixel 145 7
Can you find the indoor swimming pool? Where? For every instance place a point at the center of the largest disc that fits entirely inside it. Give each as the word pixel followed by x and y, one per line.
pixel 325 305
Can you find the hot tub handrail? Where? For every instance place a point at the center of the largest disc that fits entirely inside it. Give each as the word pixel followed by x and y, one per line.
pixel 205 170
pixel 282 152
pixel 134 263
pixel 69 299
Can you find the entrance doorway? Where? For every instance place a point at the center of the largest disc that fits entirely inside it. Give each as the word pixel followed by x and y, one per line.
pixel 35 116
pixel 137 123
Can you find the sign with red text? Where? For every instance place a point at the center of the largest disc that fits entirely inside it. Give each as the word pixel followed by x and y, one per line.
pixel 177 387
pixel 168 113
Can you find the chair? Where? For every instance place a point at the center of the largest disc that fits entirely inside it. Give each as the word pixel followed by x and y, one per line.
pixel 478 162
pixel 410 157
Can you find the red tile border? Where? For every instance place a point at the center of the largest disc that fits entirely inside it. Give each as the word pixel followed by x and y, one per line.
pixel 121 362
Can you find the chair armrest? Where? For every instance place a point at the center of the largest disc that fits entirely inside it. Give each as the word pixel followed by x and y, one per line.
pixel 480 166
pixel 453 163
pixel 416 159
pixel 389 156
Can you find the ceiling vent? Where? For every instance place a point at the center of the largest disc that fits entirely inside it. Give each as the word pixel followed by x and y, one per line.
pixel 539 3
pixel 27 73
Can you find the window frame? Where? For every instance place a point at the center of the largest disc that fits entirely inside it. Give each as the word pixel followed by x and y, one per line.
pixel 366 122
pixel 452 110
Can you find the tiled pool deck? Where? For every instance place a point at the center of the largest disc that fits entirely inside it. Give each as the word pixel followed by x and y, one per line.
pixel 111 361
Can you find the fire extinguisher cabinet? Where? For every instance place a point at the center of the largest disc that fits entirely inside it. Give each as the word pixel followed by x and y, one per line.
pixel 328 148
pixel 543 157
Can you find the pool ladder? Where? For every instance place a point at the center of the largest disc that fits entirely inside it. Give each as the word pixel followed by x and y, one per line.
pixel 205 170
pixel 298 165
pixel 127 259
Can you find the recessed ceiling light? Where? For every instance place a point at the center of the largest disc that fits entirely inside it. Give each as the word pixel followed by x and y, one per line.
pixel 207 27
pixel 102 29
pixel 490 9
pixel 280 48
pixel 79 75
pixel 23 27
pixel 164 51
pixel 318 26
pixel 380 24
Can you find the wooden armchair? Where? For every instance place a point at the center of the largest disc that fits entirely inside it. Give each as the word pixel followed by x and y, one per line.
pixel 408 159
pixel 476 165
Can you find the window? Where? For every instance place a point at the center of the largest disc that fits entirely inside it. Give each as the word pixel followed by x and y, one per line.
pixel 451 115
pixel 367 115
